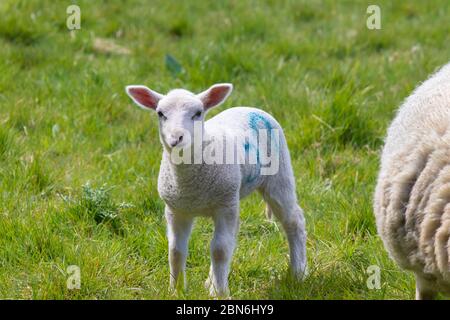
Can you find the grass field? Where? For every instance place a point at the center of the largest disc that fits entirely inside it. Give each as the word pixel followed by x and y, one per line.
pixel 79 162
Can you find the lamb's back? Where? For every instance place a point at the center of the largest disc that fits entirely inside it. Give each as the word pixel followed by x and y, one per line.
pixel 238 120
pixel 244 125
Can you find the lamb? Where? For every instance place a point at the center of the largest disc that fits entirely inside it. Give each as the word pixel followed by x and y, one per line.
pixel 214 189
pixel 412 196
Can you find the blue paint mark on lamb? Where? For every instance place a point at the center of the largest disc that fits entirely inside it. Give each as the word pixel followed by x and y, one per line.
pixel 255 119
pixel 257 122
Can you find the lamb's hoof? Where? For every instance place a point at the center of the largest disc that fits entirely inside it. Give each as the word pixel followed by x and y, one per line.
pixel 172 290
pixel 178 288
pixel 216 293
pixel 304 274
pixel 207 283
pixel 219 294
pixel 300 275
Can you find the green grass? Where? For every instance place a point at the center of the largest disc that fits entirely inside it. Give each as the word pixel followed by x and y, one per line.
pixel 79 162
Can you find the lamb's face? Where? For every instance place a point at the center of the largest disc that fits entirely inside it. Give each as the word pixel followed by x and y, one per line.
pixel 180 112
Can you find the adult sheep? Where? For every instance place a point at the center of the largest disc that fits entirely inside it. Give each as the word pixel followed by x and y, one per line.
pixel 412 197
pixel 201 187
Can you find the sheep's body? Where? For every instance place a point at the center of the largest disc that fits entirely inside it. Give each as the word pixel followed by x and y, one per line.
pixel 412 198
pixel 214 190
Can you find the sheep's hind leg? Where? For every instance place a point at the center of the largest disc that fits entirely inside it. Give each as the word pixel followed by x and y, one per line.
pixel 226 223
pixel 285 208
pixel 178 232
pixel 425 290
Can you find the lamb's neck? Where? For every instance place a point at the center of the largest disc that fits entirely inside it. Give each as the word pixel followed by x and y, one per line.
pixel 178 170
pixel 182 173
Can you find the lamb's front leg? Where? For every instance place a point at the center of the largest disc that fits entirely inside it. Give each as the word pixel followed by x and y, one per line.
pixel 226 223
pixel 178 231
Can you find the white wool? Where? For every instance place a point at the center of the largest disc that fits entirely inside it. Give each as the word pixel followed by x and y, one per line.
pixel 214 190
pixel 412 197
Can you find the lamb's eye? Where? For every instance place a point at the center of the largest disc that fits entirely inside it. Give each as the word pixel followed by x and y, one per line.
pixel 197 115
pixel 161 115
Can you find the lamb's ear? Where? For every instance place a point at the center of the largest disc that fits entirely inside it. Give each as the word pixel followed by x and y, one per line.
pixel 144 97
pixel 215 95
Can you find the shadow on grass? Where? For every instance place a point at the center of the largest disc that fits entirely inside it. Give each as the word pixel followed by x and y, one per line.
pixel 334 285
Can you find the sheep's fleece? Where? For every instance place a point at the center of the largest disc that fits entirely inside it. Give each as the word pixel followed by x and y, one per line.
pixel 412 197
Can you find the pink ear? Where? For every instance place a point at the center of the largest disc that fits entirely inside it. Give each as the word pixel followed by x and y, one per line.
pixel 144 97
pixel 215 95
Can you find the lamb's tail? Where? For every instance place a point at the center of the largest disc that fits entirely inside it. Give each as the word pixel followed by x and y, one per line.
pixel 268 212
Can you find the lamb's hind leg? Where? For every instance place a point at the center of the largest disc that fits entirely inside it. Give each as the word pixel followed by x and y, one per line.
pixel 178 232
pixel 226 223
pixel 283 204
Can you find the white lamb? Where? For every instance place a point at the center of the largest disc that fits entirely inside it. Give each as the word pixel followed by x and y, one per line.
pixel 214 189
pixel 412 197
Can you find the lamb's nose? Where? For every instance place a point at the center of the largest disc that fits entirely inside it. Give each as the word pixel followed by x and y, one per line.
pixel 176 141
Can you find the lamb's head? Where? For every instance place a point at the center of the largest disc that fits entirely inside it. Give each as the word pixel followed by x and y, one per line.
pixel 179 109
